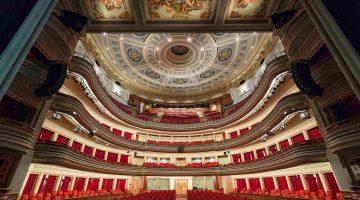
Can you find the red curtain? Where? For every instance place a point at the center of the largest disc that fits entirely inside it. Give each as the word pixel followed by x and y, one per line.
pixel 116 131
pixel 269 183
pixel 88 150
pixel 273 149
pixel 249 156
pixel 106 126
pixel 311 180
pixel 62 140
pixel 282 183
pixel 241 184
pixel 79 184
pixel 50 182
pixel 93 184
pixel 296 183
pixel 107 184
pixel 332 182
pixel 260 153
pixel 124 158
pixel 236 158
pixel 314 133
pixel 65 184
pixel 99 154
pixel 120 184
pixel 29 186
pixel 233 134
pixel 298 138
pixel 284 144
pixel 76 145
pixel 45 135
pixel 112 157
pixel 254 183
pixel 127 135
pixel 244 131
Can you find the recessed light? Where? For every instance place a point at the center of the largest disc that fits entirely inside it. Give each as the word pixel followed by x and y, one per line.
pixel 202 48
pixel 169 39
pixel 104 33
pixel 189 39
pixel 254 33
pixel 215 45
pixel 121 38
pixel 157 48
pixel 107 48
pixel 237 38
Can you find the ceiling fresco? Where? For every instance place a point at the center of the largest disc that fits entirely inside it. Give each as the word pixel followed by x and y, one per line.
pixel 184 63
pixel 179 9
pixel 243 9
pixel 167 15
pixel 109 9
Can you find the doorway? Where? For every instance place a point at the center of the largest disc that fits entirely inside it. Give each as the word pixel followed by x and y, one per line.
pixel 181 186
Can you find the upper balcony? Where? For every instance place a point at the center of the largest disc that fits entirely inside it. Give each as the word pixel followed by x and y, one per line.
pixel 301 153
pixel 286 106
pixel 276 66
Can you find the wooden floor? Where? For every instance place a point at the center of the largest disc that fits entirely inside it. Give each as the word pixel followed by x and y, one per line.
pixel 180 197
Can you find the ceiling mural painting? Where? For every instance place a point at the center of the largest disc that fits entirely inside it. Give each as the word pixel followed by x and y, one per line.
pixel 161 63
pixel 110 9
pixel 179 9
pixel 247 9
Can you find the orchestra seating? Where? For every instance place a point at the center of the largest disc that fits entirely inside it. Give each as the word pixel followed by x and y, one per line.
pixel 203 165
pixel 75 194
pixel 179 119
pixel 153 195
pixel 210 195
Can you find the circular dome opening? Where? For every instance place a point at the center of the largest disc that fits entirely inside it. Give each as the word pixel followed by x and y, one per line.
pixel 179 50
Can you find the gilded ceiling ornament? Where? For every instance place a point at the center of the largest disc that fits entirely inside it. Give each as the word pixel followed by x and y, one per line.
pixel 134 55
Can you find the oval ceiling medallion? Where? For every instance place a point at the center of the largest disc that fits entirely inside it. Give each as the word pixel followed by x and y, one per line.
pixel 179 50
pixel 207 73
pixel 180 80
pixel 225 54
pixel 152 74
pixel 134 55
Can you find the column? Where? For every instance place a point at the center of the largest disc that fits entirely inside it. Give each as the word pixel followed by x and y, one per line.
pixel 267 150
pixel 20 44
pixel 262 184
pixel 24 183
pixel 119 155
pixel 304 182
pixel 113 187
pixel 324 181
pixel 86 183
pixel 247 183
pixel 276 184
pixel 277 146
pixel 106 155
pixel 255 155
pixel 55 136
pixel 82 147
pixel 290 141
pixel 38 182
pixel 288 182
pixel 71 142
pixel 57 183
pixel 72 183
pixel 93 153
pixel 242 157
pixel 306 136
pixel 100 183
pixel 337 42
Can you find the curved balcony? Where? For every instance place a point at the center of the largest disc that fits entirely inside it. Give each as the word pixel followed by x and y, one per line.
pixel 343 135
pixel 84 67
pixel 16 136
pixel 59 154
pixel 287 105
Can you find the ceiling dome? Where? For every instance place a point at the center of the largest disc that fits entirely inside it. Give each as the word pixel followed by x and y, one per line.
pixel 185 65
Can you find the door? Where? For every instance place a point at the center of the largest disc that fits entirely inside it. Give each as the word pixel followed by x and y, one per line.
pixel 181 186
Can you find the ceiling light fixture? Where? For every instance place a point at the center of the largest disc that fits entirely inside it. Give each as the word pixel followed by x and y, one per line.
pixel 157 48
pixel 189 39
pixel 202 48
pixel 237 38
pixel 104 33
pixel 121 38
pixel 169 39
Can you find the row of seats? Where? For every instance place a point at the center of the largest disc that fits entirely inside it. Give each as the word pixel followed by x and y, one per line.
pixel 203 165
pixel 210 195
pixel 153 195
pixel 180 120
pixel 156 165
pixel 58 195
pixel 304 194
pixel 180 143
